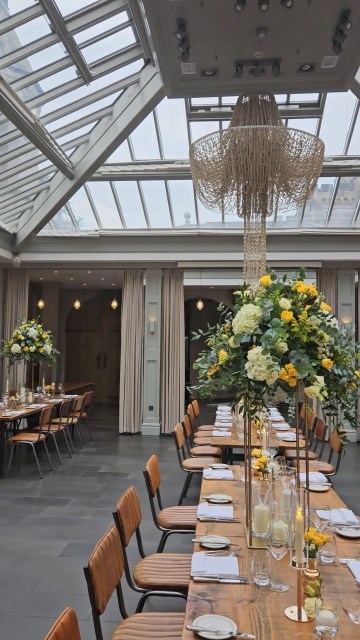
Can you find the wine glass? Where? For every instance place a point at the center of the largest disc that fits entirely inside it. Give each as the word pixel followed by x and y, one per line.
pixel 351 606
pixel 321 517
pixel 273 451
pixel 278 545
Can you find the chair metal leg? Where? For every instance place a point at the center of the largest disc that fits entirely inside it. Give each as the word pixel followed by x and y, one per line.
pixel 78 431
pixel 66 442
pixel 56 445
pixel 48 456
pixel 89 429
pixel 13 445
pixel 185 487
pixel 36 459
pixel 67 429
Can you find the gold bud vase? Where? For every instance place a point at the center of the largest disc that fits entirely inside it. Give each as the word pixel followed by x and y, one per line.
pixel 312 587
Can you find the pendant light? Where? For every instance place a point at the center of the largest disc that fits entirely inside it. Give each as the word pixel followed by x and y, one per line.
pixel 114 303
pixel 77 304
pixel 41 303
pixel 200 304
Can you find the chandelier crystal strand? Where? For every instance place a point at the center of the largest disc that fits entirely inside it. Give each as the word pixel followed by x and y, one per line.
pixel 256 168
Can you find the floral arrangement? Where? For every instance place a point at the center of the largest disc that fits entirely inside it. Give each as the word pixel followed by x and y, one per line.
pixel 260 463
pixel 314 540
pixel 29 342
pixel 280 332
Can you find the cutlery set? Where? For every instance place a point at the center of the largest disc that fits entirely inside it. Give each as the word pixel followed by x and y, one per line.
pixel 221 632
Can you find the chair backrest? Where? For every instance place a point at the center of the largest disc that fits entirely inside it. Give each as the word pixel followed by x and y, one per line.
pixel 66 627
pixel 103 574
pixel 191 414
pixel 187 427
pixel 195 406
pixel 179 442
pixel 78 405
pixel 45 419
pixel 336 446
pixel 65 410
pixel 319 436
pixel 88 398
pixel 152 475
pixel 128 514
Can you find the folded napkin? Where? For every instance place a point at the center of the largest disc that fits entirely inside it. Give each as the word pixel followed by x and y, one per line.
pixel 221 433
pixel 223 424
pixel 10 413
pixel 314 476
pixel 201 564
pixel 67 395
pixel 289 436
pixel 223 407
pixel 218 474
pixel 354 566
pixel 338 516
pixel 215 511
pixel 224 416
pixel 35 406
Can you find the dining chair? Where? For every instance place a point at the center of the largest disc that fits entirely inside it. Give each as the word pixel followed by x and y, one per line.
pixel 103 574
pixel 32 438
pixel 200 437
pixel 66 627
pixel 171 519
pixel 191 466
pixel 193 410
pixel 75 417
pixel 317 444
pixel 336 449
pixel 58 426
pixel 165 574
pixel 63 419
pixel 196 449
pixel 84 412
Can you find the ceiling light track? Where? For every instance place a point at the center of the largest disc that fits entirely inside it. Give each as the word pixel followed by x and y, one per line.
pixel 340 35
pixel 183 42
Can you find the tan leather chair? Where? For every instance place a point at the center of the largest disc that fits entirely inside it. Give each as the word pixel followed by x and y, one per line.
pixel 317 443
pixel 166 574
pixel 193 410
pixel 195 448
pixel 172 519
pixel 190 466
pixel 336 447
pixel 58 426
pixel 103 576
pixel 66 627
pixel 32 438
pixel 65 413
pixel 75 418
pixel 84 412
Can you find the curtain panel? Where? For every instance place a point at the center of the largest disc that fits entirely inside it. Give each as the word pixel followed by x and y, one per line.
pixel 16 309
pixel 132 353
pixel 172 350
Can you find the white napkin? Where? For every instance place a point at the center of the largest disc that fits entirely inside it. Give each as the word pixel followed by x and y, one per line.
pixel 67 395
pixel 223 407
pixel 338 516
pixel 10 413
pixel 221 433
pixel 218 474
pixel 223 417
pixel 215 511
pixel 354 566
pixel 289 436
pixel 314 476
pixel 35 406
pixel 213 565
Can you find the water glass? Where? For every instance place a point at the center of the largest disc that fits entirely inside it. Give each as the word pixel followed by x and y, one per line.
pixel 326 619
pixel 242 471
pixel 327 553
pixel 260 568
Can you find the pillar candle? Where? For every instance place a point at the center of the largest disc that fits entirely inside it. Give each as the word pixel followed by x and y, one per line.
pixel 261 518
pixel 7 386
pixel 299 535
pixel 280 530
pixel 43 383
pixel 285 500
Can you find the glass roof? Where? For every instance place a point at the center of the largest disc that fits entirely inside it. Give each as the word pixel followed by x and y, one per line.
pixel 70 73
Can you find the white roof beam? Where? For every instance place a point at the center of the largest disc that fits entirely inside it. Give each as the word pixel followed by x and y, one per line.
pixel 128 111
pixel 18 19
pixel 58 24
pixel 23 118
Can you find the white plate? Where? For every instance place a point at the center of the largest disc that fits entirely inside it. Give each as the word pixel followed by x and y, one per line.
pixel 280 427
pixel 214 542
pixel 218 498
pixel 347 532
pixel 219 465
pixel 220 623
pixel 319 488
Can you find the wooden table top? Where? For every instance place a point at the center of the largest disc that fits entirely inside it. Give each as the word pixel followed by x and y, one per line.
pixel 255 609
pixel 236 440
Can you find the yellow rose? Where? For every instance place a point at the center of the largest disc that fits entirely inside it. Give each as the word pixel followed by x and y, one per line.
pixel 26 349
pixel 357 374
pixel 324 306
pixel 210 373
pixel 265 281
pixel 222 355
pixel 286 316
pixel 256 453
pixel 41 349
pixel 44 335
pixel 327 363
pixel 312 291
pixel 292 382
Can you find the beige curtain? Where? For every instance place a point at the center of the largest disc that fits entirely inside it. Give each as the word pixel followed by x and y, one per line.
pixel 16 308
pixel 132 353
pixel 172 350
pixel 327 283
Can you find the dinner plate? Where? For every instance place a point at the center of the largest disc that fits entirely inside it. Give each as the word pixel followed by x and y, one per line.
pixel 219 465
pixel 218 498
pixel 281 427
pixel 347 532
pixel 223 627
pixel 214 542
pixel 319 488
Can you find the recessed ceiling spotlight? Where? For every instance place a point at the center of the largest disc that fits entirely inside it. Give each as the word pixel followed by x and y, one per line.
pixel 84 284
pixel 306 67
pixel 89 271
pixel 239 5
pixel 113 284
pixel 181 29
pixel 41 278
pixel 71 278
pixel 102 278
pixel 345 22
pixel 263 5
pixel 261 33
pixel 287 3
pixel 56 271
pixel 208 73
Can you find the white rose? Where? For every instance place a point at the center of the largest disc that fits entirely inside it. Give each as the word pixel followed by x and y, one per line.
pixel 15 348
pixel 231 342
pixel 281 346
pixel 313 391
pixel 47 349
pixel 332 322
pixel 32 349
pixel 284 303
pixel 314 321
pixel 32 333
pixel 247 319
pixel 319 381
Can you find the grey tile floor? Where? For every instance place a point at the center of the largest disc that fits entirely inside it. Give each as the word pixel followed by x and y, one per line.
pixel 49 527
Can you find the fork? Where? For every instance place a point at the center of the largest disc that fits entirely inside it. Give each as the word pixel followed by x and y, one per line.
pixel 222 632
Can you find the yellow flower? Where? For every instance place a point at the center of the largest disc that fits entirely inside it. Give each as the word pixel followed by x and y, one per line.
pixel 44 335
pixel 357 374
pixel 292 382
pixel 210 373
pixel 41 349
pixel 26 349
pixel 256 453
pixel 312 291
pixel 301 286
pixel 324 306
pixel 265 281
pixel 286 316
pixel 222 355
pixel 327 363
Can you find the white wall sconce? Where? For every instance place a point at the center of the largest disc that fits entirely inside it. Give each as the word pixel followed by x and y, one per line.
pixel 77 304
pixel 41 303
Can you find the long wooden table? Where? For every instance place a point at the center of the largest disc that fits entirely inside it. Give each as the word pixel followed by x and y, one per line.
pixel 258 610
pixel 236 441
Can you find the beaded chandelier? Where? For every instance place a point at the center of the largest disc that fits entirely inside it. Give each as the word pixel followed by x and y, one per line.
pixel 256 168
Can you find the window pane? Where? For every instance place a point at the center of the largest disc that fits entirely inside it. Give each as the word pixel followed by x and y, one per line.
pixel 108 45
pixel 156 204
pixel 200 129
pixel 131 205
pixel 121 154
pixel 345 202
pixel 182 199
pixel 339 108
pixel 318 205
pixel 105 205
pixel 173 129
pixel 82 210
pixel 144 140
pixel 304 124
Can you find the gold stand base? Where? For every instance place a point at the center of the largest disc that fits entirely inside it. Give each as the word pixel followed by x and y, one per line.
pixel 256 543
pixel 296 614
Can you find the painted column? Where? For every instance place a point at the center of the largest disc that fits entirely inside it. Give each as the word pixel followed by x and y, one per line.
pixel 152 343
pixel 346 316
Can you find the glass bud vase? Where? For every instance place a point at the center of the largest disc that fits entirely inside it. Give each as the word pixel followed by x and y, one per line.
pixel 312 587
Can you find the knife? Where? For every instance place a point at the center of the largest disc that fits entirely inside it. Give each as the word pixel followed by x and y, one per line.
pixel 222 632
pixel 215 519
pixel 233 580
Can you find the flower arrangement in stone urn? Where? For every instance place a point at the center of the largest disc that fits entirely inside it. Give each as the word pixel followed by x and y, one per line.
pixel 280 332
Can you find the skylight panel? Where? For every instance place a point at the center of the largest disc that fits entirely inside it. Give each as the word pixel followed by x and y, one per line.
pixel 318 205
pixel 183 204
pixel 208 218
pixel 173 128
pixel 70 6
pixel 200 129
pixel 50 54
pixel 82 210
pixel 131 204
pixel 105 204
pixel 15 6
pixel 61 220
pixel 345 202
pixel 108 45
pixel 304 124
pixel 32 30
pixel 57 79
pixel 121 154
pixel 338 112
pixel 156 204
pixel 144 140
pixel 101 27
